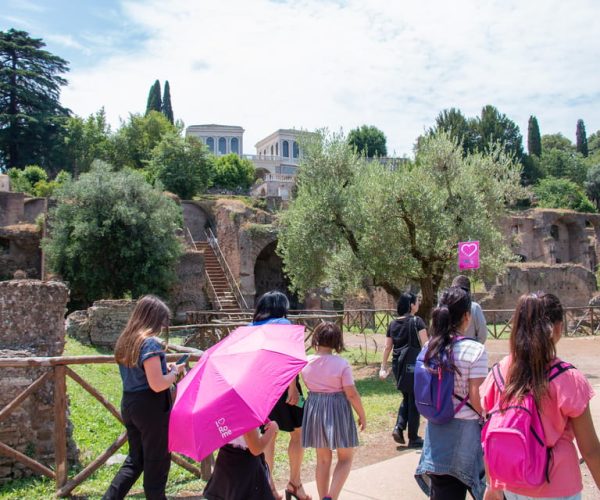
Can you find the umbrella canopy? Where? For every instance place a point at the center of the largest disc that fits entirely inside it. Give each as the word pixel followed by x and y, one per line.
pixel 234 386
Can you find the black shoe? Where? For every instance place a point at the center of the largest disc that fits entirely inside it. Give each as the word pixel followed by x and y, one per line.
pixel 398 435
pixel 415 443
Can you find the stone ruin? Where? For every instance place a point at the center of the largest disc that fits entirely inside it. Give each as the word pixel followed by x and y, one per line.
pixel 20 235
pixel 31 324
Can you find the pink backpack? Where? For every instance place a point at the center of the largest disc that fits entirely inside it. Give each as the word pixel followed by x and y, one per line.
pixel 513 440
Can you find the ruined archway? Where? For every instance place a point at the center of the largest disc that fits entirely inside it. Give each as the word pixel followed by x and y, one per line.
pixel 269 275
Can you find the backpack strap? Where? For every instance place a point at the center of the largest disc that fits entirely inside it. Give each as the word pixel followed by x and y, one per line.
pixel 464 402
pixel 557 369
pixel 498 378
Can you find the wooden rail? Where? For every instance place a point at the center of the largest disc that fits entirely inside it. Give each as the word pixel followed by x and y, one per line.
pixel 57 371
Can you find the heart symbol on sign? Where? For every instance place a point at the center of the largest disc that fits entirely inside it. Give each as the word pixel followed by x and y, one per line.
pixel 468 249
pixel 220 421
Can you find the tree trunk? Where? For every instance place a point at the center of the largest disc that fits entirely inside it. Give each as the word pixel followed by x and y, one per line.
pixel 428 298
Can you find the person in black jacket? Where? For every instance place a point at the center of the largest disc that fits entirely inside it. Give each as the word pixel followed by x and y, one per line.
pixel 408 329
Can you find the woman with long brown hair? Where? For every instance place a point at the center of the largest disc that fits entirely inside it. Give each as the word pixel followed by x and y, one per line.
pixel 146 402
pixel 562 401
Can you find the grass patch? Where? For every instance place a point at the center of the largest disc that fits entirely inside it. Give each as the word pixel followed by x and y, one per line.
pixel 94 429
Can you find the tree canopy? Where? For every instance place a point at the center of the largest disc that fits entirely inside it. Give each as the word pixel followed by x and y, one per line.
pixel 182 165
pixel 458 127
pixel 233 172
pixel 167 108
pixel 368 140
pixel 154 101
pixel 355 222
pixel 30 111
pixel 534 140
pixel 556 141
pixel 136 139
pixel 112 235
pixel 581 143
pixel 562 193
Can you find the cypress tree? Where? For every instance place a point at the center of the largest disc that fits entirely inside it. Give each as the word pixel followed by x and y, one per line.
pixel 167 109
pixel 582 145
pixel 154 101
pixel 534 140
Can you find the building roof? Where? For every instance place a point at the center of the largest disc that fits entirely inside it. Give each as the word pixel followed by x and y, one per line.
pixel 214 127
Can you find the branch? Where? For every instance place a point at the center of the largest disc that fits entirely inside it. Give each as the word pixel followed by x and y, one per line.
pixel 412 231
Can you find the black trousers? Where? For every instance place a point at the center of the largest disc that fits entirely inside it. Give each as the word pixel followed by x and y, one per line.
pixel 408 415
pixel 446 487
pixel 146 417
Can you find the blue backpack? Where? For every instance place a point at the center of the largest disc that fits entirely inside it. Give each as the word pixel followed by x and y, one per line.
pixel 434 390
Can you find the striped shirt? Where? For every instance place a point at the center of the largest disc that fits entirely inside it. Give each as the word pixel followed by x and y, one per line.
pixel 471 359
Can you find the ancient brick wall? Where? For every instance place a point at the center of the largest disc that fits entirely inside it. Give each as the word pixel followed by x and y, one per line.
pixel 11 208
pixel 31 324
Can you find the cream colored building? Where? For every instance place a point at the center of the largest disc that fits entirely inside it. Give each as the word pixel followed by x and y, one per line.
pixel 220 139
pixel 279 153
pixel 4 183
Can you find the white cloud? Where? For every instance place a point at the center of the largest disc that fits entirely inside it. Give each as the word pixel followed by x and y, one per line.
pixel 67 41
pixel 311 63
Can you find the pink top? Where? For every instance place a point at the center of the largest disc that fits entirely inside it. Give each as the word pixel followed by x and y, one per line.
pixel 327 373
pixel 568 397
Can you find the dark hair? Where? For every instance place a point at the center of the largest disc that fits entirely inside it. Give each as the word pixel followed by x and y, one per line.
pixel 552 307
pixel 404 302
pixel 531 347
pixel 445 320
pixel 463 282
pixel 328 334
pixel 273 304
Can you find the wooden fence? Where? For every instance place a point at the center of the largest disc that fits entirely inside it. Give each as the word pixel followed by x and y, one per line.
pixel 58 369
pixel 579 321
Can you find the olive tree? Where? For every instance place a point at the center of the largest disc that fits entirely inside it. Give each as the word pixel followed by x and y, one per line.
pixel 355 222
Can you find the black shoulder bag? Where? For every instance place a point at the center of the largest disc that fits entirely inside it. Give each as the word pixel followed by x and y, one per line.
pixel 405 358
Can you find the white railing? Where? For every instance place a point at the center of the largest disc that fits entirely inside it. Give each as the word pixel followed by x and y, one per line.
pixel 212 241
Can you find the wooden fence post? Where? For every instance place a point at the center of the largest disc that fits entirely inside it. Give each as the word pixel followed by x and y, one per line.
pixel 60 425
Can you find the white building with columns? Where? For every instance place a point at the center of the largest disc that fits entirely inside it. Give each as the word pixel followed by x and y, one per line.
pixel 220 139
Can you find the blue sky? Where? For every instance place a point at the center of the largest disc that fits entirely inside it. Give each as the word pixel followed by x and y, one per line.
pixel 269 64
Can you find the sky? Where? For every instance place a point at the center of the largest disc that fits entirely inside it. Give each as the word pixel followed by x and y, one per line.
pixel 339 64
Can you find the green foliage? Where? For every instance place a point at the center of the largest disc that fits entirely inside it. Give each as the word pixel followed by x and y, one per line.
pixel 562 193
pixel 233 172
pixel 592 184
pixel 112 234
pixel 581 139
pixel 534 140
pixel 594 143
pixel 556 141
pixel 355 222
pixel 33 180
pixel 459 129
pixel 30 111
pixel 167 108
pixel 135 140
pixel 564 164
pixel 181 165
pixel 86 140
pixel 493 127
pixel 368 140
pixel 154 103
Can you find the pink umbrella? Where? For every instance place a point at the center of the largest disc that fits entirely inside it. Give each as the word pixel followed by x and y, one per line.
pixel 234 386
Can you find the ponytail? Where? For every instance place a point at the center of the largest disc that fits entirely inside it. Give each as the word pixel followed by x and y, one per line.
pixel 445 321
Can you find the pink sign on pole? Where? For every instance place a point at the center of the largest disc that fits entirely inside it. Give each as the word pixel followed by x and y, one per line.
pixel 468 255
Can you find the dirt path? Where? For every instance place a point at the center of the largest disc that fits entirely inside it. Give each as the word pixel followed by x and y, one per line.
pixel 583 352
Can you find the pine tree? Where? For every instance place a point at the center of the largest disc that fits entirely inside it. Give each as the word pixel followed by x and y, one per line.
pixel 534 139
pixel 30 111
pixel 167 109
pixel 582 145
pixel 154 102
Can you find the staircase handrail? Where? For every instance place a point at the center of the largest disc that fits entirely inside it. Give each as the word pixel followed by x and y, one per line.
pixel 214 243
pixel 191 237
pixel 212 292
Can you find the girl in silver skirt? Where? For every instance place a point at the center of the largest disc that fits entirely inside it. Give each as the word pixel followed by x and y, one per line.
pixel 328 423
